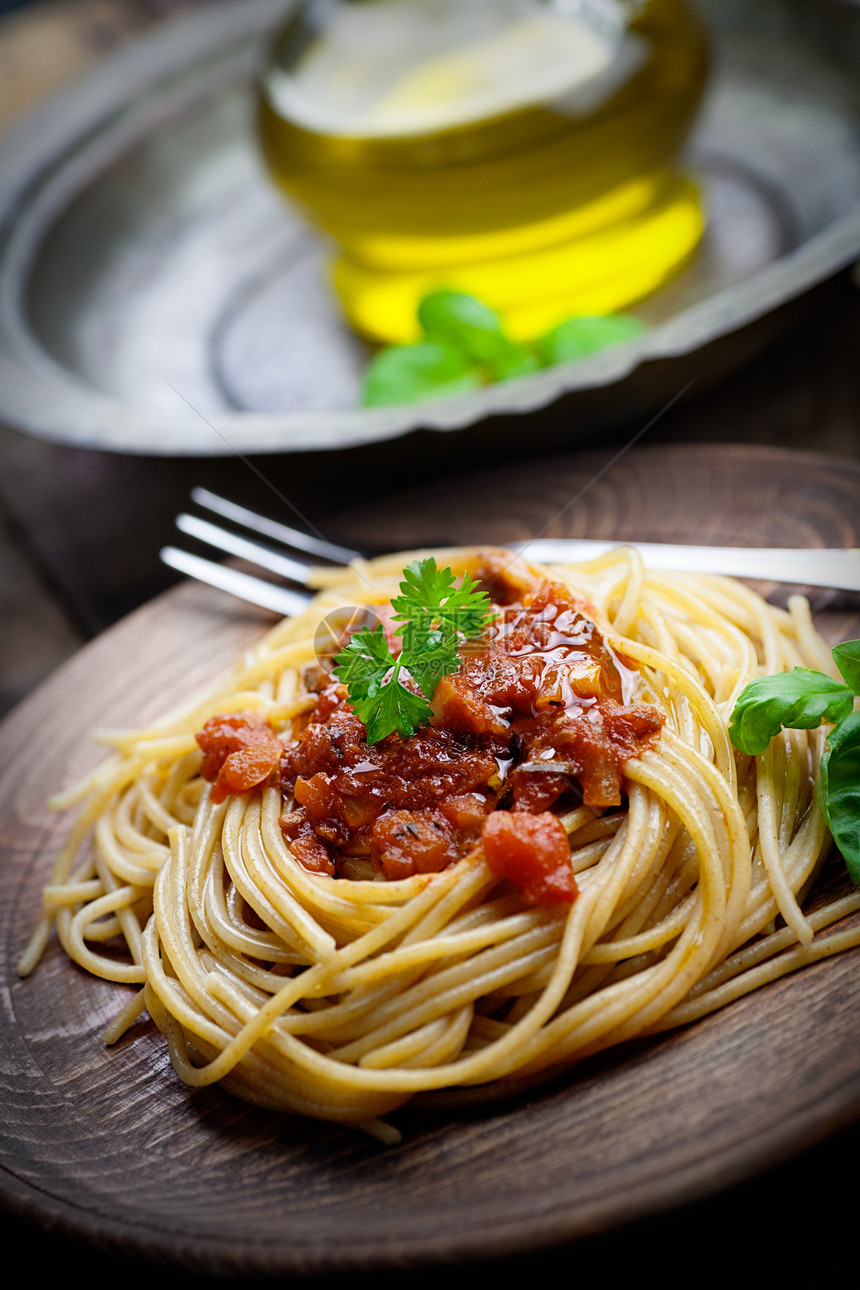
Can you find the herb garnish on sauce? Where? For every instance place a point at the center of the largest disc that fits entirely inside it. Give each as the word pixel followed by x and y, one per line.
pixel 437 616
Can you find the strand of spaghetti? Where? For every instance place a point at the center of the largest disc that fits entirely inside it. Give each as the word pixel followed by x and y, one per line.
pixel 616 879
pixel 693 692
pixel 72 893
pixel 768 947
pixel 727 814
pixel 753 978
pixel 131 868
pixel 610 1012
pixel 220 919
pixel 631 585
pixel 473 1068
pixel 769 841
pixel 273 901
pixel 74 939
pixel 126 1017
pixel 813 647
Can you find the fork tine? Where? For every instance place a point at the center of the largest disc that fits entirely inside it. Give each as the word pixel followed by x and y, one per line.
pixel 294 538
pixel 285 566
pixel 254 590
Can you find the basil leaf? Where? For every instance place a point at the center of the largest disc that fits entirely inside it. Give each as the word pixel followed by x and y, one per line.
pixel 463 321
pixel 578 337
pixel 839 790
pixel 847 659
pixel 412 373
pixel 471 326
pixel 518 361
pixel 800 699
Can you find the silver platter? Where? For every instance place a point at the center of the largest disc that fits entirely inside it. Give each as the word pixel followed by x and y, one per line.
pixel 157 297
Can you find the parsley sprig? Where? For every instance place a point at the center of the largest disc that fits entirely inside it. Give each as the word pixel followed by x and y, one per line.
pixel 437 616
pixel 802 700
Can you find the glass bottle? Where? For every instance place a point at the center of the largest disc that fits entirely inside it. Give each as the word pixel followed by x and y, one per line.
pixel 526 151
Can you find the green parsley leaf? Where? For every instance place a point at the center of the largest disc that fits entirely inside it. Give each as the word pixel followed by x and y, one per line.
pixel 392 709
pixel 800 700
pixel 412 373
pixel 430 597
pixel 839 790
pixel 428 656
pixel 365 660
pixel 423 589
pixel 370 672
pixel 437 614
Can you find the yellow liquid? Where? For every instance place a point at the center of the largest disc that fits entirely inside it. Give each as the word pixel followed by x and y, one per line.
pixel 445 171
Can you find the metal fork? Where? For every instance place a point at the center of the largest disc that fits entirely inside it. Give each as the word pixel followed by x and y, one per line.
pixel 838 569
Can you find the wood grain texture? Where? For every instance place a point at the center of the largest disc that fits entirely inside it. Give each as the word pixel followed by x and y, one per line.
pixel 108 1145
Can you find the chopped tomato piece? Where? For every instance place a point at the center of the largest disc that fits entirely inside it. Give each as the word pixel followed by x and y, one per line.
pixel 240 751
pixel 533 852
pixel 458 706
pixel 407 842
pixel 310 851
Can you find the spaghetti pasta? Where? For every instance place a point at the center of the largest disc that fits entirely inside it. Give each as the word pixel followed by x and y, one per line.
pixel 342 997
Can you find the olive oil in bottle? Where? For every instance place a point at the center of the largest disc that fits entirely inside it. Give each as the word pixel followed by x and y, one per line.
pixel 525 151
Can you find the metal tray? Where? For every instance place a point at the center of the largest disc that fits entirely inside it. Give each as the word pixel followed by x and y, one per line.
pixel 156 296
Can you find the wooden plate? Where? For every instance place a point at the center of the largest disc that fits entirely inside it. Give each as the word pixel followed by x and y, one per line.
pixel 108 1147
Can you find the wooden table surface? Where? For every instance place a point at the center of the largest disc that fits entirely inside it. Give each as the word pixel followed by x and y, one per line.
pixel 76 555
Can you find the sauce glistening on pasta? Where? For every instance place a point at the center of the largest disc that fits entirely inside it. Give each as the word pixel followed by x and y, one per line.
pixel 535 715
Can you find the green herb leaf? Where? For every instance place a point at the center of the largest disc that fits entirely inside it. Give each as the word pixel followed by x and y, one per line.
pixel 370 672
pixel 413 373
pixel 519 361
pixel 430 597
pixel 428 656
pixel 437 615
pixel 464 346
pixel 393 709
pixel 839 790
pixel 468 324
pixel 364 662
pixel 847 659
pixel 423 589
pixel 800 699
pixel 578 337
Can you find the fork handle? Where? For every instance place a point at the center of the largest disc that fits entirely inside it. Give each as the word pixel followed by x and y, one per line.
pixel 839 569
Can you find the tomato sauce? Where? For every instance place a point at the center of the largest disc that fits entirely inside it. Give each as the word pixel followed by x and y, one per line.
pixel 537 715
